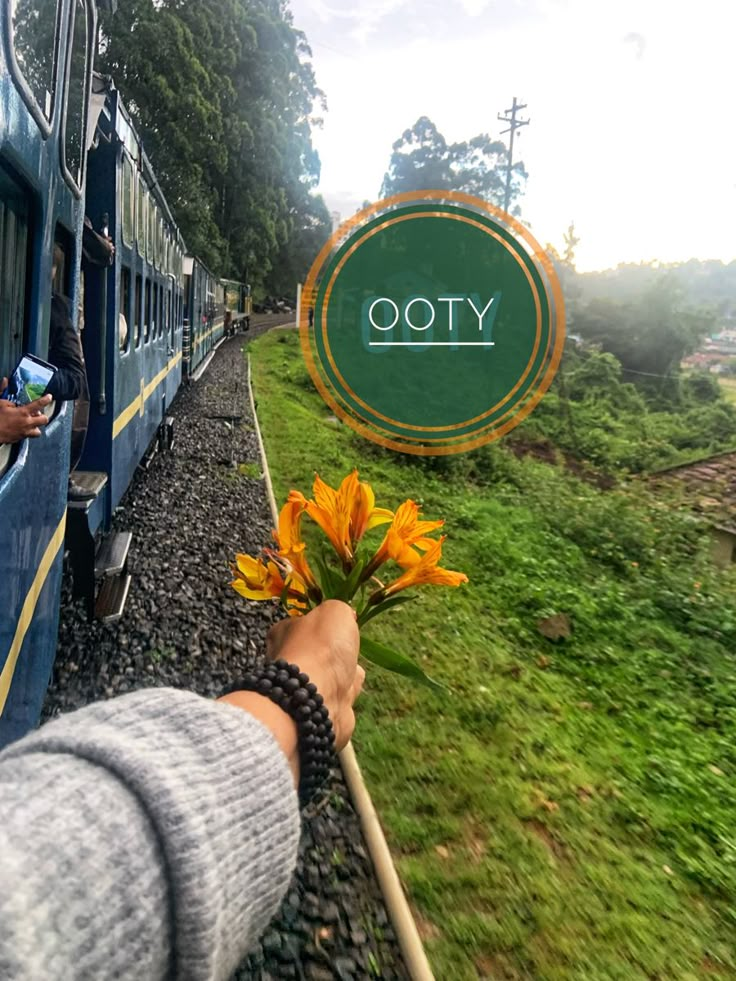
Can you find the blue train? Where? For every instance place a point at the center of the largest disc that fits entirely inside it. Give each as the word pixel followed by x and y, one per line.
pixel 149 318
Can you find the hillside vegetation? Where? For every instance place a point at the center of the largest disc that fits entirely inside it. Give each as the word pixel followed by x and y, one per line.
pixel 567 812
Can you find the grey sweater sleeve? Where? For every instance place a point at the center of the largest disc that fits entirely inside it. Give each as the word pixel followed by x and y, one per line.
pixel 151 836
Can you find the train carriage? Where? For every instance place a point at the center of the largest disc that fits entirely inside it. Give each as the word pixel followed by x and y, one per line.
pixel 238 302
pixel 204 313
pixel 134 357
pixel 46 56
pixel 148 316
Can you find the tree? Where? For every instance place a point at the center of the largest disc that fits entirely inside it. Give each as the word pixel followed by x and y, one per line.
pixel 223 93
pixel 423 160
pixel 650 333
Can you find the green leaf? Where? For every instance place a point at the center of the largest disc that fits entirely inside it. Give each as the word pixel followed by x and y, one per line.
pixel 391 660
pixel 352 581
pixel 373 611
pixel 331 582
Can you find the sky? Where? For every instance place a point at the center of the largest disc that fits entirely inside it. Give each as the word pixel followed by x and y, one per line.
pixel 630 104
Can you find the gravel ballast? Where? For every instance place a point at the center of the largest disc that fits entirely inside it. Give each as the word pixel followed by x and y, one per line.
pixel 185 627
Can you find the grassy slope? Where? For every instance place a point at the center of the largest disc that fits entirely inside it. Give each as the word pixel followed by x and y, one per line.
pixel 569 812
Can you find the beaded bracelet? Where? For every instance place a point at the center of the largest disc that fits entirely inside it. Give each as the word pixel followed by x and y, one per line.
pixel 290 688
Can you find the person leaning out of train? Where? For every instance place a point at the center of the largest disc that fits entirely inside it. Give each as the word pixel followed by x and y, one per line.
pixel 154 836
pixel 65 350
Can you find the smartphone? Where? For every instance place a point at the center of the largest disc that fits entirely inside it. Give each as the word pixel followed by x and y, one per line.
pixel 29 381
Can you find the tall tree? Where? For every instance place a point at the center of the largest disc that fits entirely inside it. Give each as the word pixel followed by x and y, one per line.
pixel 224 94
pixel 423 160
pixel 650 333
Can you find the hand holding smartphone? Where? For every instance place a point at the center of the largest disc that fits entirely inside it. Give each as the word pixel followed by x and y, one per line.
pixel 29 382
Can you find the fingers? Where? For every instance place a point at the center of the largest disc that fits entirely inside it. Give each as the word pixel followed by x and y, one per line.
pixel 38 404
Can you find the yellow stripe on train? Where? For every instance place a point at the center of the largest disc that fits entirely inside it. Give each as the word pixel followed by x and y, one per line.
pixel 137 406
pixel 28 609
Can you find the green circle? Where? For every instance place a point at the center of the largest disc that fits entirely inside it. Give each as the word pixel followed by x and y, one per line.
pixel 473 286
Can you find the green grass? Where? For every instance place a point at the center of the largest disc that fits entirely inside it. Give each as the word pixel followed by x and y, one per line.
pixel 569 811
pixel 729 388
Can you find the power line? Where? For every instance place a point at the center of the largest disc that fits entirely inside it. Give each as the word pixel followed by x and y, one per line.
pixel 514 124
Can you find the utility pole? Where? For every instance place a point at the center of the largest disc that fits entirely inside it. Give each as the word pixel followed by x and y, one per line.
pixel 514 124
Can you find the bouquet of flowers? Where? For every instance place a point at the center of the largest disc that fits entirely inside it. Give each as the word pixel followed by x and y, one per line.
pixel 349 571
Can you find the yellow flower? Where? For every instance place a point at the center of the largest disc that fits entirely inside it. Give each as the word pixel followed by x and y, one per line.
pixel 406 534
pixel 425 572
pixel 258 580
pixel 291 547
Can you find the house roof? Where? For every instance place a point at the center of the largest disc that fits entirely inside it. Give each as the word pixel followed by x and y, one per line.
pixel 708 486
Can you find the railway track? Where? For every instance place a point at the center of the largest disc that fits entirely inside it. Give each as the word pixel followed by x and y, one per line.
pixel 185 627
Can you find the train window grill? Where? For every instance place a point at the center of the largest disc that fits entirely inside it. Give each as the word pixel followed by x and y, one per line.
pixel 13 265
pixel 75 116
pixel 156 240
pixel 147 314
pixel 140 224
pixel 137 310
pixel 35 32
pixel 147 222
pixel 124 312
pixel 127 207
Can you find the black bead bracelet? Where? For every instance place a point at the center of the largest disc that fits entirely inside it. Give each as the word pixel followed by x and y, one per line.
pixel 290 688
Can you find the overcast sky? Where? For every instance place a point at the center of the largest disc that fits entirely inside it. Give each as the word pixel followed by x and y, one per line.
pixel 632 129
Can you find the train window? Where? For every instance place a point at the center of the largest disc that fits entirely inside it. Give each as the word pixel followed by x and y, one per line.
pixel 140 226
pixel 147 222
pixel 156 239
pixel 156 313
pixel 13 258
pixel 137 311
pixel 124 311
pixel 75 120
pixel 147 314
pixel 127 206
pixel 35 32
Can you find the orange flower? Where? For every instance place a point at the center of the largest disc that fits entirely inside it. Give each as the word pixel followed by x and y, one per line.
pixel 288 537
pixel 425 572
pixel 361 500
pixel 345 514
pixel 329 512
pixel 406 531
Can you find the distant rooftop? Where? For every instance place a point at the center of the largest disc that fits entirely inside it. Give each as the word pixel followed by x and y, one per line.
pixel 709 486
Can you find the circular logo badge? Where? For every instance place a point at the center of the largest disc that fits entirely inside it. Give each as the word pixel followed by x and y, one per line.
pixel 432 322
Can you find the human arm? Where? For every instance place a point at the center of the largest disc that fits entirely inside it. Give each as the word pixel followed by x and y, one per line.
pixel 154 835
pixel 325 645
pixel 150 834
pixel 65 354
pixel 19 421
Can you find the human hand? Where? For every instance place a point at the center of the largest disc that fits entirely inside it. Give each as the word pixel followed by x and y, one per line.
pixel 325 645
pixel 20 421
